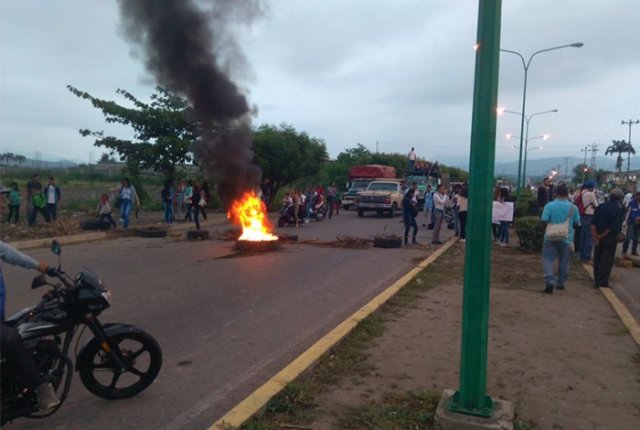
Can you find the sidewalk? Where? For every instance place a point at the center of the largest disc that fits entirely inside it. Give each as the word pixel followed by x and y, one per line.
pixel 564 359
pixel 214 219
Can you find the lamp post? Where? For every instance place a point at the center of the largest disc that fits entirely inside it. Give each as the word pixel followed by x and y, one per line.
pixel 527 150
pixel 527 119
pixel 526 65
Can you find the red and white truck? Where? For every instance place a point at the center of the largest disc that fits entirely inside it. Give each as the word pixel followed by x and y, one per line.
pixel 360 177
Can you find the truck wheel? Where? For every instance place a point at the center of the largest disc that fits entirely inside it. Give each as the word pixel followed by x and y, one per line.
pixel 346 207
pixel 392 211
pixel 360 212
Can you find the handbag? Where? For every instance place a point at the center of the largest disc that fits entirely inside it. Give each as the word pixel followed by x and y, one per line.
pixel 559 232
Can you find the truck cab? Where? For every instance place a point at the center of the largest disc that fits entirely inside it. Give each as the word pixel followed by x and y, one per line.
pixel 380 196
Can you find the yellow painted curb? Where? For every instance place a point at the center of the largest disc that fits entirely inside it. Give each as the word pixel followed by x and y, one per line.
pixel 620 309
pixel 259 398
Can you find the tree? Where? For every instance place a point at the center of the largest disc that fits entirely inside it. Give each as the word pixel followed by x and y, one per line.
pixel 620 146
pixel 106 158
pixel 163 130
pixel 286 155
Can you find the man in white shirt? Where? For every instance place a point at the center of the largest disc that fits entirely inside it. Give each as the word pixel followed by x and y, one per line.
pixel 590 203
pixel 411 159
pixel 440 201
pixel 52 194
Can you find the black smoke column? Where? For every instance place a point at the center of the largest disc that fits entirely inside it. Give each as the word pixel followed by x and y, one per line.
pixel 191 51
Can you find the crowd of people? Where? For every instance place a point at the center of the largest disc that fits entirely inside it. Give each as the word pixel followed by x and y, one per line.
pixel 40 200
pixel 578 222
pixel 314 202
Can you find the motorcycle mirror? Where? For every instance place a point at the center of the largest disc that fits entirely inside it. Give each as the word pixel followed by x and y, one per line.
pixel 56 248
pixel 38 281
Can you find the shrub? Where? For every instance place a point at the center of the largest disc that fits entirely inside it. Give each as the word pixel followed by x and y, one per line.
pixel 527 204
pixel 530 233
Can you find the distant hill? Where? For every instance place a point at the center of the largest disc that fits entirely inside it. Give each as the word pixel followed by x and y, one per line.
pixel 31 163
pixel 542 166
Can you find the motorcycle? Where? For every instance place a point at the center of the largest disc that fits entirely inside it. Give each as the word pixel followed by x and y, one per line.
pixel 318 211
pixel 119 361
pixel 287 216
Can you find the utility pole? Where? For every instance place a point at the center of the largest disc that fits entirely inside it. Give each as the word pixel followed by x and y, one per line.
pixel 629 123
pixel 594 150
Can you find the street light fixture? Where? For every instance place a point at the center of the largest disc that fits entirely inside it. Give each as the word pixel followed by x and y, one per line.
pixel 526 65
pixel 527 119
pixel 527 150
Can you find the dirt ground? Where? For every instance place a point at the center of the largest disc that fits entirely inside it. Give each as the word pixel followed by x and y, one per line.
pixel 564 360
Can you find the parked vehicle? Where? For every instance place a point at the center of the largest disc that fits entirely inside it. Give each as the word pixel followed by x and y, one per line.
pixel 422 182
pixel 119 361
pixel 380 196
pixel 360 177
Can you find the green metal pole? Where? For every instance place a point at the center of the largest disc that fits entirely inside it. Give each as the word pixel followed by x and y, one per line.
pixel 471 397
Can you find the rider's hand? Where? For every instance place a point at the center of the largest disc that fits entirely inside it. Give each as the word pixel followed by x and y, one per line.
pixel 42 267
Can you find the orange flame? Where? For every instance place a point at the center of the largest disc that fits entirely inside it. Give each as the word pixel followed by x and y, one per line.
pixel 251 213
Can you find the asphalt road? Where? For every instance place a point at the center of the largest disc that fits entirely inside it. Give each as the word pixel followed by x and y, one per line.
pixel 225 325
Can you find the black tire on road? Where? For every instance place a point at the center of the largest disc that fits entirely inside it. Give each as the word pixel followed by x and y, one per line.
pixel 346 207
pixel 387 242
pixel 360 212
pixel 95 225
pixel 151 232
pixel 95 359
pixel 197 234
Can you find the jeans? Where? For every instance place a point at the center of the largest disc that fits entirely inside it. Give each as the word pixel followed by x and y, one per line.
pixel 438 215
pixel 463 224
pixel 52 210
pixel 107 217
pixel 410 221
pixel 586 241
pixel 410 165
pixel 551 250
pixel 34 214
pixel 330 205
pixel 196 215
pixel 125 211
pixel 504 232
pixel 18 358
pixel 632 236
pixel 180 202
pixel 168 212
pixel 14 212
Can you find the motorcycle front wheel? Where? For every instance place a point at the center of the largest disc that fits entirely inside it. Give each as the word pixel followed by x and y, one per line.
pixel 102 376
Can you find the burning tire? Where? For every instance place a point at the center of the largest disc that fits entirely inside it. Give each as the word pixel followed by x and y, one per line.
pixel 387 242
pixel 151 232
pixel 252 246
pixel 197 234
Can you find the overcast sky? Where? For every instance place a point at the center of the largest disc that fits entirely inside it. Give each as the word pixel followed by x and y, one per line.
pixel 399 73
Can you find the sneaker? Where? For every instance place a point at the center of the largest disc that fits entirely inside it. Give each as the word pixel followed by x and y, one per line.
pixel 503 244
pixel 47 399
pixel 548 289
pixel 560 287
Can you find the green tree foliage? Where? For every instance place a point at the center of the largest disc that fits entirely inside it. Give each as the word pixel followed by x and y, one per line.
pixel 286 155
pixel 12 159
pixel 163 130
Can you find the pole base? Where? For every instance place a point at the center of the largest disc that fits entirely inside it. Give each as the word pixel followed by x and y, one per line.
pixel 450 417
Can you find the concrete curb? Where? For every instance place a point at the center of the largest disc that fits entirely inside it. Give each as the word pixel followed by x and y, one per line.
pixel 619 308
pixel 92 237
pixel 259 398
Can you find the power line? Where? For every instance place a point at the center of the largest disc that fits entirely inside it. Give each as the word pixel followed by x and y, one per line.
pixel 629 123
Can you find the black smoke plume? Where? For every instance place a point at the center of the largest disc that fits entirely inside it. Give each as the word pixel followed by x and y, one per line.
pixel 191 51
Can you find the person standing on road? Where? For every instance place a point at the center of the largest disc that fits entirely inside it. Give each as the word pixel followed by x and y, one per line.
pixel 463 204
pixel 14 203
pixel 128 197
pixel 180 189
pixel 440 201
pixel 167 195
pixel 428 207
pixel 188 201
pixel 196 195
pixel 52 193
pixel 409 212
pixel 605 226
pixel 19 359
pixel 633 225
pixel 589 203
pixel 545 193
pixel 33 187
pixel 559 211
pixel 331 197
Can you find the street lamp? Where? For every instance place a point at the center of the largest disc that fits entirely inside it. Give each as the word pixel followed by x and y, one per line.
pixel 526 65
pixel 527 119
pixel 527 150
